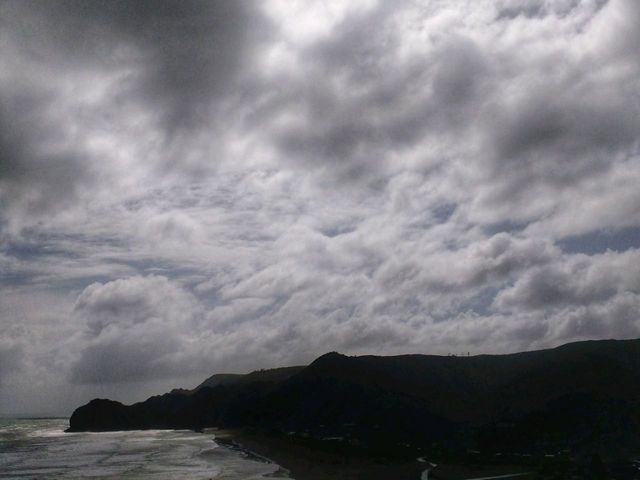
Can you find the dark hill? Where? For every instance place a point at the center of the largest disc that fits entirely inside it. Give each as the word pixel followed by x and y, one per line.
pixel 271 375
pixel 579 396
pixel 219 379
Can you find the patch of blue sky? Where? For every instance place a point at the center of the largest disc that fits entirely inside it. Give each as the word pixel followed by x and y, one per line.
pixel 600 241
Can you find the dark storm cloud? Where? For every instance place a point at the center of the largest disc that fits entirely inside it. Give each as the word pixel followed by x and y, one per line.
pixel 37 167
pixel 183 53
pixel 169 62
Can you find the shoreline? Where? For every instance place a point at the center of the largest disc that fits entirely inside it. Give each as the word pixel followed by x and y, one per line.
pixel 301 462
pixel 222 439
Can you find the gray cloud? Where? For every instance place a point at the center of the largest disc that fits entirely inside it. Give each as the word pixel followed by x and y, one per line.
pixel 133 328
pixel 615 319
pixel 11 356
pixel 181 53
pixel 375 104
pixel 38 165
pixel 524 120
pixel 574 282
pixel 511 9
pixel 559 138
pixel 456 275
pixel 82 75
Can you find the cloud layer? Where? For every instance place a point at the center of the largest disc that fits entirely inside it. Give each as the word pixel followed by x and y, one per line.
pixel 189 187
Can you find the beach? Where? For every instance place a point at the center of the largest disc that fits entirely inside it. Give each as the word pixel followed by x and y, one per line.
pixel 304 463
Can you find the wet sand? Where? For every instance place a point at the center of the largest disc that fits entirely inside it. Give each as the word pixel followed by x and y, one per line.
pixel 304 463
pixel 470 472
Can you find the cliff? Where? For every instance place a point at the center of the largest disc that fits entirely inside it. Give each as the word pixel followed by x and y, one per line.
pixel 579 396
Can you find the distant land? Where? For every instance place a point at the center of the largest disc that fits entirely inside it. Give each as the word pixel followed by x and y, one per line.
pixel 576 403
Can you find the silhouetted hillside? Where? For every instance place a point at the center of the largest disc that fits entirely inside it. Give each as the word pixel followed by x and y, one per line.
pixel 581 396
pixel 271 375
pixel 219 379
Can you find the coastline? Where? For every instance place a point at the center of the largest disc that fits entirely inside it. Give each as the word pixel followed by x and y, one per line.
pixel 302 462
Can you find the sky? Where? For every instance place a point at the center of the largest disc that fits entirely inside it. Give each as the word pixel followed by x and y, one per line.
pixel 197 187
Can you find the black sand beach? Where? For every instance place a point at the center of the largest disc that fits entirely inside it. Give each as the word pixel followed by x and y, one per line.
pixel 305 463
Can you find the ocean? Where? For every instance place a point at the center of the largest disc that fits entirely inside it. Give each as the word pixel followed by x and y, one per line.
pixel 39 449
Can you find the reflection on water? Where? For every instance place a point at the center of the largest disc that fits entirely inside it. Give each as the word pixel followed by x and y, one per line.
pixel 39 448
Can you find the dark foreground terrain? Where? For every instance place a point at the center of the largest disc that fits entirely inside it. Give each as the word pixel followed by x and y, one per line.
pixel 572 411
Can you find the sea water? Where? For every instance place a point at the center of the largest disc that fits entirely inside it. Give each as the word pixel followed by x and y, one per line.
pixel 40 449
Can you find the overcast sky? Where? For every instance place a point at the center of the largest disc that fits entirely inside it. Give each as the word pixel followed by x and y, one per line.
pixel 218 186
